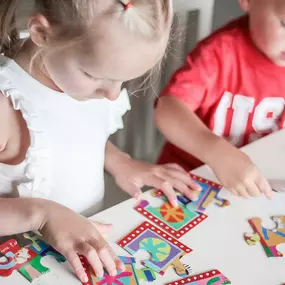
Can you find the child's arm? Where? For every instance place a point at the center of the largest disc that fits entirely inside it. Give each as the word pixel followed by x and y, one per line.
pixel 233 168
pixel 68 232
pixel 19 215
pixel 132 175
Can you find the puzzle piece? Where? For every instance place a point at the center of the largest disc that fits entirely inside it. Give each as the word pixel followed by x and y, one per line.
pixel 176 221
pixel 130 276
pixel 209 194
pixel 20 238
pixel 165 250
pixel 212 277
pixel 270 239
pixel 27 260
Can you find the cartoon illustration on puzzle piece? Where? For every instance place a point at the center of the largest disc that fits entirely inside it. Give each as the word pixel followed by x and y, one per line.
pixel 176 221
pixel 131 276
pixel 165 251
pixel 42 248
pixel 209 194
pixel 269 238
pixel 27 260
pixel 208 278
pixel 20 238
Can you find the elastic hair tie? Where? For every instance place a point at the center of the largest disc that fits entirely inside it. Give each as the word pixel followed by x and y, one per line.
pixel 126 5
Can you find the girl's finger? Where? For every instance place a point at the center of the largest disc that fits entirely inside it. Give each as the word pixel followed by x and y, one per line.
pixel 182 187
pixel 184 177
pixel 252 189
pixel 76 264
pixel 175 166
pixel 160 183
pixel 233 191
pixel 242 191
pixel 169 192
pixel 102 228
pixel 108 260
pixel 90 253
pixel 119 264
pixel 264 187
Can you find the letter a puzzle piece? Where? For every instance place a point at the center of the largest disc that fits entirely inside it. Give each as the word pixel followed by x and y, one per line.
pixel 269 238
pixel 209 194
pixel 212 277
pixel 130 276
pixel 165 251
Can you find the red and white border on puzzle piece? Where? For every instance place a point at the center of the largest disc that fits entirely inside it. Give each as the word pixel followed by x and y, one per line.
pixel 196 278
pixel 206 181
pixel 147 226
pixel 176 233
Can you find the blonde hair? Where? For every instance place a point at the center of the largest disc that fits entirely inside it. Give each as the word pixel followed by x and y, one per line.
pixel 72 19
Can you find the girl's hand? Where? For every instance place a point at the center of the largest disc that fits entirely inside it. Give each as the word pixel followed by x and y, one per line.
pixel 132 175
pixel 237 173
pixel 74 235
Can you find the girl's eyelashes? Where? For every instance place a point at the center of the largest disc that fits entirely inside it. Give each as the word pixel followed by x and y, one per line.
pixel 283 23
pixel 90 76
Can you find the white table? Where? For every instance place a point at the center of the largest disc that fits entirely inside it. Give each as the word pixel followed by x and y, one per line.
pixel 218 242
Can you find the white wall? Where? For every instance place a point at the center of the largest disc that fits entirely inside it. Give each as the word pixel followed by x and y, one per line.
pixel 224 11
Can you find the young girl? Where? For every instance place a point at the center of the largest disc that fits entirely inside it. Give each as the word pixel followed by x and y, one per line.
pixel 53 143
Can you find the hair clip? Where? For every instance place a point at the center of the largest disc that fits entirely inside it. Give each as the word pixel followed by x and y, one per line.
pixel 126 5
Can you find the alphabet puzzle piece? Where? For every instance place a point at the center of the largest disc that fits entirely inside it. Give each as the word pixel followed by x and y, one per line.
pixel 165 251
pixel 208 278
pixel 269 238
pixel 209 194
pixel 27 260
pixel 176 221
pixel 131 276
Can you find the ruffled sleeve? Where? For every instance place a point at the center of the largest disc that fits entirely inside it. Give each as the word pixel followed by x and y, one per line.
pixel 38 159
pixel 118 110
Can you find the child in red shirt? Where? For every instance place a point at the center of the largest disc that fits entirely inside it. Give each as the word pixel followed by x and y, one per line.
pixel 230 92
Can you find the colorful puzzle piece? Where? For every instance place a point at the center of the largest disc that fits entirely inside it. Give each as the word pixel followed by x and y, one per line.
pixel 131 276
pixel 208 278
pixel 165 250
pixel 270 239
pixel 175 221
pixel 209 194
pixel 20 238
pixel 27 260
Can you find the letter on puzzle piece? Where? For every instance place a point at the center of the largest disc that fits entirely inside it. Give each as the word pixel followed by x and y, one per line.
pixel 212 277
pixel 270 239
pixel 165 250
pixel 131 276
pixel 27 260
pixel 209 194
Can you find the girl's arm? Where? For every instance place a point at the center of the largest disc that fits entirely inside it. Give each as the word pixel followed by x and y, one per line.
pixel 132 175
pixel 20 215
pixel 233 168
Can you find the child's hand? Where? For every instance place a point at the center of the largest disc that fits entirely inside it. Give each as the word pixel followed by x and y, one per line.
pixel 237 173
pixel 74 235
pixel 132 175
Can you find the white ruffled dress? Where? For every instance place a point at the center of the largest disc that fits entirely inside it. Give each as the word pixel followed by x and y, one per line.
pixel 65 161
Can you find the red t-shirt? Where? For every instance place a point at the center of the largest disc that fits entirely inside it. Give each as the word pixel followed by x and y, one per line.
pixel 233 88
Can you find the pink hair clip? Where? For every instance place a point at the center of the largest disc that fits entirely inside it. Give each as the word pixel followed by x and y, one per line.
pixel 126 5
